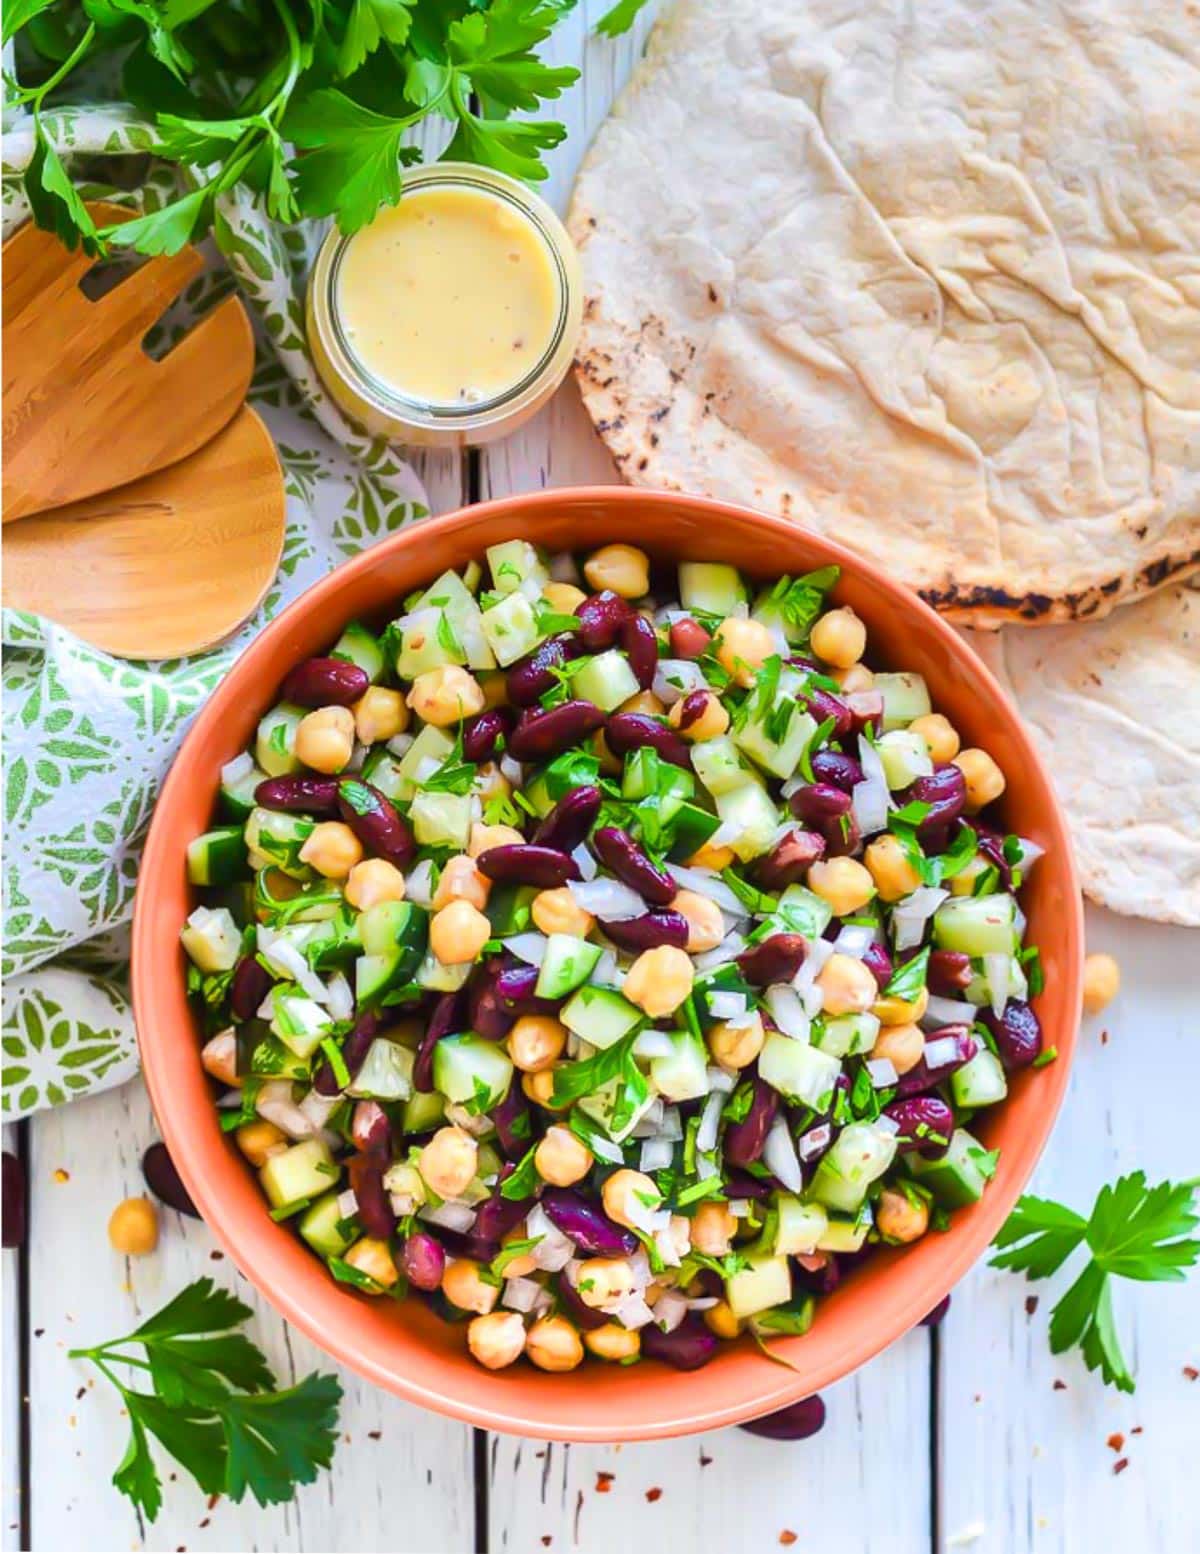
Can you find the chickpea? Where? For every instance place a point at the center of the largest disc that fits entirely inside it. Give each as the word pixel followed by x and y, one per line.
pixel 372 881
pixel 900 1045
pixel 659 980
pixel 1101 982
pixel 379 714
pixel 563 597
pixel 491 783
pixel 839 637
pixel 679 1234
pixel 984 779
pixel 719 1319
pixel 539 1088
pixel 332 849
pixel 610 764
pixel 847 987
pixel 889 866
pixel 939 734
pixel 443 696
pixel 536 1042
pixel 644 701
pixel 604 1279
pixel 844 882
pixel 613 1342
pixel 218 1057
pixel 706 926
pixel 890 1010
pixel 627 1189
pixel 742 647
pixel 374 1258
pixel 458 932
pixel 520 1266
pixel 735 1046
pixel 623 568
pixel 709 857
pixel 963 883
pixel 463 1287
pixel 857 678
pixel 483 838
pixel 711 724
pixel 460 880
pixel 713 1227
pixel 899 1217
pixel 557 911
pixel 325 739
pixel 133 1227
pixel 259 1140
pixel 497 1339
pixel 553 1344
pixel 561 1158
pixel 449 1161
pixel 494 685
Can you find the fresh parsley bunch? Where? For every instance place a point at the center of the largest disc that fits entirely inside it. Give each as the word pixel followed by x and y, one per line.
pixel 214 1405
pixel 234 86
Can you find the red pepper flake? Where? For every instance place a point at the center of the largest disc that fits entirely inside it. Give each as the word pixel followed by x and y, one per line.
pixel 547 1538
pixel 1031 1305
pixel 1189 1371
pixel 81 1393
pixel 1116 1441
pixel 216 1257
pixel 1120 1465
pixel 653 1494
pixel 1060 1386
pixel 787 1536
pixel 374 1435
pixel 1104 1038
pixel 1137 1430
pixel 604 1482
pixel 704 1461
pixel 212 1501
pixel 205 1522
pixel 38 1331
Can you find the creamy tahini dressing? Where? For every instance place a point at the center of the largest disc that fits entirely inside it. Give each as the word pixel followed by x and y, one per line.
pixel 450 297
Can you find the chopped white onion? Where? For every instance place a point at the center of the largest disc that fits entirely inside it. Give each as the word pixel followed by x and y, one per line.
pixel 739 1208
pixel 340 1001
pixel 529 947
pixel 664 1245
pixel 669 1310
pixel 606 972
pixel 947 1011
pixel 814 1141
pixel 266 1010
pixel 942 1049
pixel 403 1204
pixel 604 1149
pixel 425 768
pixel 632 1312
pixel 554 1249
pixel 703 1303
pixel 870 798
pixel 513 770
pixel 788 1011
pixel 729 949
pixel 274 1102
pixel 819 951
pixel 418 884
pixel 728 832
pixel 585 863
pixel 650 1122
pixel 910 915
pixel 653 1044
pixel 319 1108
pixel 997 969
pixel 710 1119
pixel 779 1156
pixel 882 1072
pixel 676 678
pixel 347 1203
pixel 278 949
pixel 720 1079
pixel 608 900
pixel 241 766
pixel 886 1124
pixel 644 1218
pixel 400 744
pixel 477 1124
pixel 358 756
pixel 671 1126
pixel 657 1154
pixel 726 1006
pixel 450 1216
pixel 1020 921
pixel 706 883
pixel 1030 853
pixel 521 1294
pixel 854 940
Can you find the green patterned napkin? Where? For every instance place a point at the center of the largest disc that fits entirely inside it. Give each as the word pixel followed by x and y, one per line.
pixel 88 738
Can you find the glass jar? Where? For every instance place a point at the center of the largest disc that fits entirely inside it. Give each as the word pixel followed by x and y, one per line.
pixel 387 411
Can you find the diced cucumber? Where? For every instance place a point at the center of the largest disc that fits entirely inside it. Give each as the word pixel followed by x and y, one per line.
pixel 905 697
pixel 237 795
pixel 606 680
pixel 442 979
pixel 382 770
pixel 797 1070
pixel 514 562
pixel 468 1069
pixel 846 1035
pixel 568 962
pixel 359 646
pixel 1004 970
pixel 976 925
pixel 423 1111
pixel 212 938
pixel 905 757
pixel 428 641
pixel 980 1082
pixel 800 1225
pixel 431 748
pixel 692 828
pixel 392 964
pixel 955 1180
pixel 711 587
pixel 217 857
pixel 511 628
pixel 779 756
pixel 325 1228
pixel 726 978
pixel 303 1171
pixel 764 1282
pixel 265 1056
pixel 273 838
pixel 684 1075
pixel 299 1022
pixel 390 925
pixel 846 1232
pixel 600 1016
pixel 336 941
pixel 801 910
pixel 719 767
pixel 386 1073
pixel 442 819
pixel 508 909
pixel 459 608
pixel 646 775
pixel 601 1106
pixel 752 813
pixel 275 744
pixel 858 1156
pixel 472 576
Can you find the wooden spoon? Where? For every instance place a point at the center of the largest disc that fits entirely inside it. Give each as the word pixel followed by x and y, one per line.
pixel 85 409
pixel 167 565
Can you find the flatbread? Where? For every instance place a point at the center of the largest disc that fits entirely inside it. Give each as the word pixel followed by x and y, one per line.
pixel 925 278
pixel 1115 709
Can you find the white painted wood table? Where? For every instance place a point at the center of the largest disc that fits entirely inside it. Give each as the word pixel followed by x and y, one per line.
pixel 971 1435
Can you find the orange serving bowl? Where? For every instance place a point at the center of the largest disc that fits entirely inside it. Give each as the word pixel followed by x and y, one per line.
pixel 404 1347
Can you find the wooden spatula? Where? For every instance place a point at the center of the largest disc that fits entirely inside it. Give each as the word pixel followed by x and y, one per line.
pixel 85 408
pixel 167 565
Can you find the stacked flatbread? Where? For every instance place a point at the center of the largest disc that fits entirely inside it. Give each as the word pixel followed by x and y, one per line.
pixel 927 279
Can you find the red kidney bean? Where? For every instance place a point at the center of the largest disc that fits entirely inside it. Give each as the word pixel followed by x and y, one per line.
pixel 354 1052
pixel 534 675
pixel 513 1122
pixel 374 1206
pixel 687 1347
pixel 448 1015
pixel 627 731
pixel 569 822
pixel 601 617
pixel 821 704
pixel 488 1016
pixel 879 963
pixel 922 1077
pixel 422 1261
pixel 689 639
pixel 937 1314
pixel 919 1117
pixel 790 859
pixel 836 769
pixel 250 984
pixel 15 1201
pixel 301 795
pixel 866 708
pixel 375 822
pixel 483 732
pixel 543 732
pixel 165 1182
pixel 745 1140
pixel 693 707
pixel 740 1184
pixel 525 864
pixel 991 845
pixel 819 804
pixel 370 1129
pixel 639 643
pixel 618 851
pixel 587 1224
pixel 820 1281
pixel 650 930
pixel 325 682
pixel 1017 1033
pixel 496 1216
pixel 843 838
pixel 515 988
pixel 945 791
pixel 949 971
pixel 796 1422
pixel 586 1317
pixel 776 959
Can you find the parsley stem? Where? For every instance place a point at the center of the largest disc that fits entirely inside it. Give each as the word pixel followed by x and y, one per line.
pixel 37 94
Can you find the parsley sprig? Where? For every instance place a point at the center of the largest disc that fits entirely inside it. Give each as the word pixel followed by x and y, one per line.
pixel 214 1405
pixel 1134 1232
